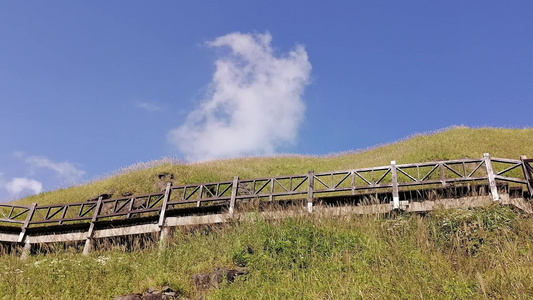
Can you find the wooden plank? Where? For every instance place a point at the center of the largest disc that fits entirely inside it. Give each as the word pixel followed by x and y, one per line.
pixel 428 205
pixel 95 216
pixel 198 203
pixel 511 179
pixel 310 190
pixel 162 215
pixel 63 214
pixel 509 169
pixel 491 177
pixel 9 237
pixel 129 230
pixel 430 172
pixel 395 192
pixel 22 234
pixel 354 210
pixel 271 195
pixel 13 217
pixel 14 206
pixel 442 175
pixel 178 202
pixel 432 163
pixel 234 188
pixel 57 238
pixel 475 169
pixel 404 173
pixel 89 238
pixel 506 160
pixel 353 183
pixel 528 176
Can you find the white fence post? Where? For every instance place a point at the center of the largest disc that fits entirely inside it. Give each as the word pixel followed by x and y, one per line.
pixel 89 242
pixel 310 190
pixel 491 177
pixel 164 230
pixel 22 234
pixel 162 214
pixel 234 188
pixel 395 193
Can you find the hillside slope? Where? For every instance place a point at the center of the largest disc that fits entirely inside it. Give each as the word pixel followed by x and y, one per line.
pixel 457 142
pixel 464 254
pixel 454 254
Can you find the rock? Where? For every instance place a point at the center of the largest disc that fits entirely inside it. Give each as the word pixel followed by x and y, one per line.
pixel 213 279
pixel 166 289
pixel 170 295
pixel 165 176
pixel 229 274
pixel 202 281
pixel 168 292
pixel 152 296
pixel 129 297
pixel 164 179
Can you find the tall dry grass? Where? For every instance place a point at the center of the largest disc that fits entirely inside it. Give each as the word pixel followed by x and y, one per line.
pixel 457 142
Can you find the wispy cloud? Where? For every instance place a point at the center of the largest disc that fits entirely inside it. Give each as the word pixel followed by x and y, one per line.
pixel 20 184
pixel 255 102
pixel 64 170
pixel 148 106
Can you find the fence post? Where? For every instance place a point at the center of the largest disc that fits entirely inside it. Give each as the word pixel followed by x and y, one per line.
pixel 162 214
pixel 528 170
pixel 26 251
pixel 89 243
pixel 22 234
pixel 353 183
pixel 164 230
pixel 310 190
pixel 442 174
pixel 234 188
pixel 395 193
pixel 491 178
pixel 199 202
pixel 271 196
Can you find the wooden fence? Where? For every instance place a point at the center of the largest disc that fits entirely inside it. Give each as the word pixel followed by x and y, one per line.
pixel 308 186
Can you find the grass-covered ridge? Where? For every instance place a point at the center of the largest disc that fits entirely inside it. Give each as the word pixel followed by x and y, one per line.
pixel 453 254
pixel 457 142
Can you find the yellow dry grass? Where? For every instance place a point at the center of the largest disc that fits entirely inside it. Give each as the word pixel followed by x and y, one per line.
pixel 452 143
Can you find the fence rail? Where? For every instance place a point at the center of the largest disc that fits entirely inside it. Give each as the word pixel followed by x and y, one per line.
pixel 393 177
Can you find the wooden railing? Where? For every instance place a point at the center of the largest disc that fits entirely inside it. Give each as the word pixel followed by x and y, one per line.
pixel 392 177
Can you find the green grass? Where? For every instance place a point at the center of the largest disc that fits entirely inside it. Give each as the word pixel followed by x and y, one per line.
pixel 445 255
pixel 457 142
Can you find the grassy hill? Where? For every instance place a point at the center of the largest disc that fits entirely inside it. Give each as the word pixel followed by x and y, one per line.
pixel 463 254
pixel 457 142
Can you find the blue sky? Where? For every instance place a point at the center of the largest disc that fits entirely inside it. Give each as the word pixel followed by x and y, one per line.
pixel 88 87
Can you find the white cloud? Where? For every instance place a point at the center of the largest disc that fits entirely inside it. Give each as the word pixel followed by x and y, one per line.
pixel 148 106
pixel 65 170
pixel 255 104
pixel 18 185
